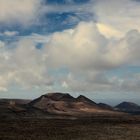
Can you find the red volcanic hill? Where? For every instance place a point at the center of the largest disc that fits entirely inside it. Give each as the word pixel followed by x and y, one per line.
pixel 53 105
pixel 59 103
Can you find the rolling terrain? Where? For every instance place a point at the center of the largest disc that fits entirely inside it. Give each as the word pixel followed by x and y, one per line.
pixel 58 116
pixel 60 104
pixel 54 104
pixel 65 104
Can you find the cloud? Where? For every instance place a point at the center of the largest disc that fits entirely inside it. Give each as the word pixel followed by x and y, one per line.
pixel 122 15
pixel 89 55
pixel 90 49
pixel 19 11
pixel 9 33
pixel 86 53
pixel 117 17
pixel 2 44
pixel 108 31
pixel 100 82
pixel 23 65
pixel 114 17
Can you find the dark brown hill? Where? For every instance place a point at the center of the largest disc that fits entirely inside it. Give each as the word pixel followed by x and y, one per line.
pixel 59 103
pixel 128 107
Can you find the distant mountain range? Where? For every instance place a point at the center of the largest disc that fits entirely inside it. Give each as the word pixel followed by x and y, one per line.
pixel 60 104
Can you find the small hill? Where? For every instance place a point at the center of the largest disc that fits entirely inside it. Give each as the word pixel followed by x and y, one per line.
pixel 128 107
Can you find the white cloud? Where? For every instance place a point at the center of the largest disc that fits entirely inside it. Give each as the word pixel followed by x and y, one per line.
pixel 2 44
pixel 23 65
pixel 89 51
pixel 10 33
pixel 89 55
pixel 84 51
pixel 114 17
pixel 86 48
pixel 108 31
pixel 22 11
pixel 123 15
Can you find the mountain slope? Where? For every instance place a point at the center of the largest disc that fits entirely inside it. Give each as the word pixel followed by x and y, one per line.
pixel 14 108
pixel 105 106
pixel 82 98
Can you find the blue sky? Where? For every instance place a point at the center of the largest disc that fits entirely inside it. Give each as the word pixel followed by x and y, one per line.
pixel 88 47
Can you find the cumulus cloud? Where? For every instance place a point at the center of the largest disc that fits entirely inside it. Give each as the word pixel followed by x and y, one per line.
pixel 21 11
pixel 89 55
pixel 86 53
pixel 86 47
pixel 23 65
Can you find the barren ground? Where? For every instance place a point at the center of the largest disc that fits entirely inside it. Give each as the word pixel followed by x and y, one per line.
pixel 94 128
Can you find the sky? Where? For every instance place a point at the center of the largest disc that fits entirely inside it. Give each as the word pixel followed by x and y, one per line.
pixel 89 47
